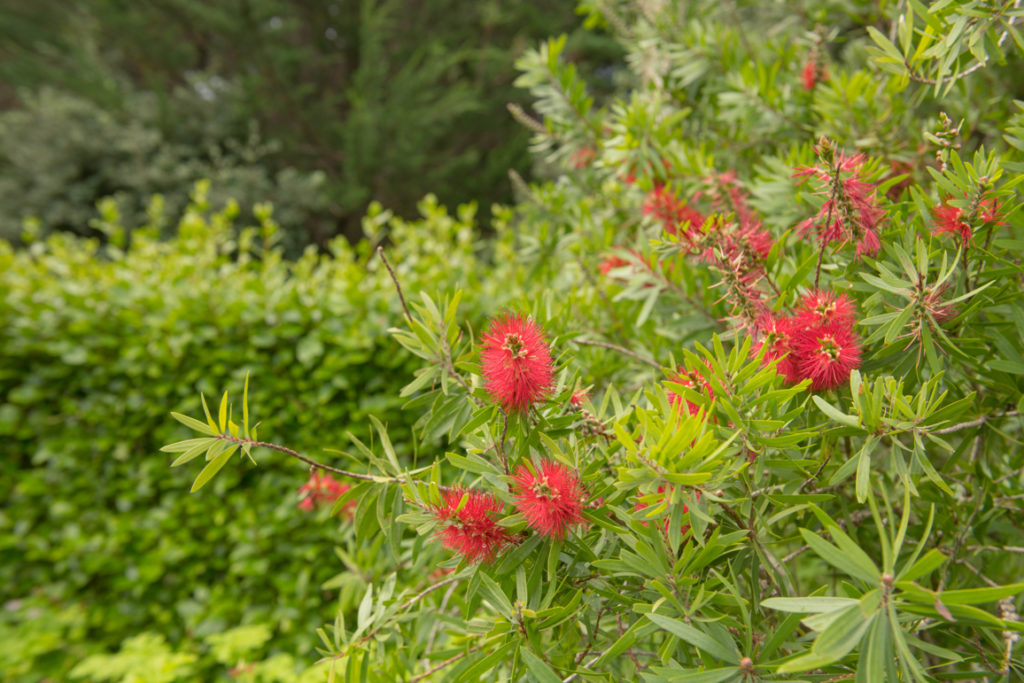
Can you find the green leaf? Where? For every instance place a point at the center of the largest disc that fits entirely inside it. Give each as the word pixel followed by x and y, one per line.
pixel 808 605
pixel 206 411
pixel 871 666
pixel 538 668
pixel 887 47
pixel 212 468
pixel 693 676
pixel 193 423
pixel 843 634
pixel 835 414
pixel 222 414
pixel 855 563
pixel 973 596
pixel 626 640
pixel 834 643
pixel 192 453
pixel 245 406
pixel 695 637
pixel 931 561
pixel 182 446
pixel 863 475
pixel 492 593
pixel 485 664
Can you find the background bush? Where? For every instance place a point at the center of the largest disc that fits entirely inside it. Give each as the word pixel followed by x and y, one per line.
pixel 319 106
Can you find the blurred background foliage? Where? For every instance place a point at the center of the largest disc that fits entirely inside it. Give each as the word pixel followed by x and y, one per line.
pixel 319 106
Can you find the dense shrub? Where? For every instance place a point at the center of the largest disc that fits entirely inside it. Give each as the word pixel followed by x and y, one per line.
pixel 98 340
pixel 61 153
pixel 356 96
pixel 792 258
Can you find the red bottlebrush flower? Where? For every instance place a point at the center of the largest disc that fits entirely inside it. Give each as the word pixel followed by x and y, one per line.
pixel 471 531
pixel 869 244
pixel 551 499
pixel 776 332
pixel 674 214
pixel 611 262
pixel 821 307
pixel 988 209
pixel 516 362
pixel 323 489
pixel 759 241
pixel 728 196
pixel 687 219
pixel 661 203
pixel 933 304
pixel 578 397
pixel 691 380
pixel 953 219
pixel 582 157
pixel 809 75
pixel 826 355
pixel 851 211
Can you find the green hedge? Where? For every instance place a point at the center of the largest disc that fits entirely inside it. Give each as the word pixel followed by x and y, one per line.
pixel 99 341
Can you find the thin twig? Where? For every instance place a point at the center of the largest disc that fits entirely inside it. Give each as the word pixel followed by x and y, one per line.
pixel 380 479
pixel 811 479
pixel 438 667
pixel 593 634
pixel 620 349
pixel 795 553
pixel 981 576
pixel 426 591
pixel 309 461
pixel 394 278
pixel 767 489
pixel 977 422
pixel 437 625
pixel 449 366
pixel 501 446
pixel 752 534
pixel 994 548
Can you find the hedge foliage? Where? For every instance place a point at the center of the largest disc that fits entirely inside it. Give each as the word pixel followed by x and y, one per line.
pixel 98 340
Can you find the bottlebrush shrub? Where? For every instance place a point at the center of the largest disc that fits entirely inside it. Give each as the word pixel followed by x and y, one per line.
pixel 797 455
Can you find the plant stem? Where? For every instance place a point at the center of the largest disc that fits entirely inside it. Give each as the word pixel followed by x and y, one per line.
pixel 620 349
pixel 306 459
pixel 977 422
pixel 438 667
pixel 828 220
pixel 319 465
pixel 394 278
